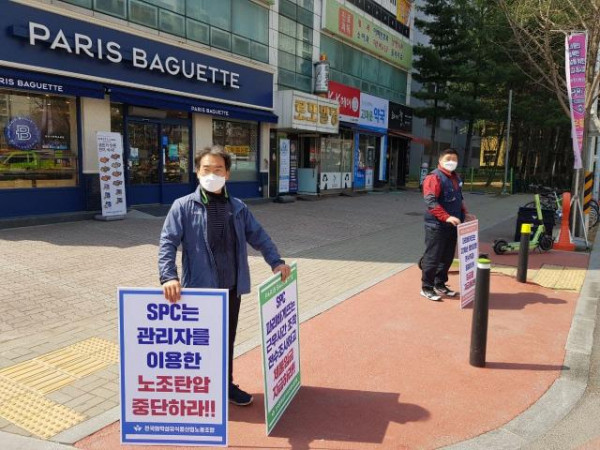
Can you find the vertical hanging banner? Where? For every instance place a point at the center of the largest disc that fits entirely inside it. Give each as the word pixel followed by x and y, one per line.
pixel 174 367
pixel 280 324
pixel 112 174
pixel 468 248
pixel 575 66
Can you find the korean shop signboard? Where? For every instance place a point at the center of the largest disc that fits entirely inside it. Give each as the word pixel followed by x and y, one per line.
pixel 349 100
pixel 366 33
pixel 373 112
pixel 302 111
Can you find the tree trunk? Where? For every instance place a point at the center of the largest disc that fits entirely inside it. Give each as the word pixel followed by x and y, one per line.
pixel 467 157
pixel 492 173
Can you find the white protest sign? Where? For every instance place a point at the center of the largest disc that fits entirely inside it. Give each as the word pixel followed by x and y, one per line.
pixel 468 252
pixel 280 324
pixel 174 367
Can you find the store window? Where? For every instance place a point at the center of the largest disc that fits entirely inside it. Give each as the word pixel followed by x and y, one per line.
pixel 38 146
pixel 176 166
pixel 367 147
pixel 336 152
pixel 116 117
pixel 241 140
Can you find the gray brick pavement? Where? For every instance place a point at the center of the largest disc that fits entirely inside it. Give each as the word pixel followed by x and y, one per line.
pixel 58 282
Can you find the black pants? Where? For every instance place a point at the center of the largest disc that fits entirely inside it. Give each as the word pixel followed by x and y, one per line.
pixel 440 245
pixel 234 314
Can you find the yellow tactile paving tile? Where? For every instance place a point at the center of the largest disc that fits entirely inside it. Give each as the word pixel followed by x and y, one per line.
pixel 9 389
pixel 23 386
pixel 74 364
pixel 572 279
pixel 560 277
pixel 38 415
pixel 98 348
pixel 506 270
pixel 37 376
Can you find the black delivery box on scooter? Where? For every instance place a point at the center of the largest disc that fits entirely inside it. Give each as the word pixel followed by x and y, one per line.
pixel 529 215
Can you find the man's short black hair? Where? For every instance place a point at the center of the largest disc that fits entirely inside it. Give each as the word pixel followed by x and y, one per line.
pixel 215 150
pixel 448 151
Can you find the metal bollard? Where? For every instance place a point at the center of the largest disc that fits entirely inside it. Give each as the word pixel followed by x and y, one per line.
pixel 479 325
pixel 523 253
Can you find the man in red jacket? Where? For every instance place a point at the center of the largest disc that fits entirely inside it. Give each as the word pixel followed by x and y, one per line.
pixel 442 191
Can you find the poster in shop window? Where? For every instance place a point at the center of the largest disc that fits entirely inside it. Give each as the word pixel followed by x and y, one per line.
pixel 284 166
pixel 293 167
pixel 174 367
pixel 468 253
pixel 112 174
pixel 280 324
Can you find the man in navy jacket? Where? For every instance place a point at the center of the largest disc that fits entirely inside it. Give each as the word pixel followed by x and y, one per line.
pixel 213 229
pixel 442 192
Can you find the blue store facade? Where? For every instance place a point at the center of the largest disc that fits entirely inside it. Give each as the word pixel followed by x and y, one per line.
pixel 64 77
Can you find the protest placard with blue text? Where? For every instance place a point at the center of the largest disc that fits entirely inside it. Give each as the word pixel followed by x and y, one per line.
pixel 174 367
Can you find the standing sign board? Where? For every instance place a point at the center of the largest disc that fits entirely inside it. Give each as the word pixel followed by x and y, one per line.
pixel 174 367
pixel 284 166
pixel 468 247
pixel 112 174
pixel 280 324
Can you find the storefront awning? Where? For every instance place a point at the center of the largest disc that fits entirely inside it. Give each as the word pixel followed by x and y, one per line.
pixel 404 134
pixel 49 84
pixel 166 101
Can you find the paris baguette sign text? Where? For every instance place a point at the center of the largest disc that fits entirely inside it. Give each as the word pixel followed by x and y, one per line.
pixel 84 45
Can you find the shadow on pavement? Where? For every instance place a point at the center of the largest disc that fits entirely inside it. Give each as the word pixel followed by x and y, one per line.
pixel 334 415
pixel 519 300
pixel 524 366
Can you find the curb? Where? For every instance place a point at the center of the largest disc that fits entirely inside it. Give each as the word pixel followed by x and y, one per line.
pixel 15 441
pixel 568 388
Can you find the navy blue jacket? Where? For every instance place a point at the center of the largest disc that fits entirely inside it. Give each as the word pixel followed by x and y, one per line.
pixel 185 225
pixel 450 198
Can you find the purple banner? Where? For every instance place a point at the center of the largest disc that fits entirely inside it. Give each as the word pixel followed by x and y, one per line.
pixel 575 57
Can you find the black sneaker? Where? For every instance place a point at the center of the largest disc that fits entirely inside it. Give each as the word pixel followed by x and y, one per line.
pixel 239 397
pixel 429 294
pixel 442 289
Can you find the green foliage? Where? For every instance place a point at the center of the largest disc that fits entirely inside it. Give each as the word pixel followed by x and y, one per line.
pixel 474 59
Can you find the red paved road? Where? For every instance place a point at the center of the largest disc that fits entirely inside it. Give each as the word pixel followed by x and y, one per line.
pixel 389 369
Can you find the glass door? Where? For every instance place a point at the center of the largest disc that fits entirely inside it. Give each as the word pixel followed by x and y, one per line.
pixel 143 163
pixel 308 171
pixel 158 161
pixel 176 164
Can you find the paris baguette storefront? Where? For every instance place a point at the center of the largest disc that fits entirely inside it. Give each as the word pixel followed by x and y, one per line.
pixel 64 77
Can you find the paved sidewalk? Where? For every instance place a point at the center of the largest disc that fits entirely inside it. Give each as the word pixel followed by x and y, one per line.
pixel 388 369
pixel 58 288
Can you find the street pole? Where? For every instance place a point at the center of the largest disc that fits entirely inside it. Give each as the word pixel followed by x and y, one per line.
pixel 481 306
pixel 507 143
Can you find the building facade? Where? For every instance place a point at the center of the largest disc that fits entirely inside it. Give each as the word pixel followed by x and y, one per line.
pixel 174 76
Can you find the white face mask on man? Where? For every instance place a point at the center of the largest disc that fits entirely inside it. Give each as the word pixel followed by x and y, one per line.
pixel 211 182
pixel 450 166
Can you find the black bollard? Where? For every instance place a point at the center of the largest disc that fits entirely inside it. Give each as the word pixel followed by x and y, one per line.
pixel 479 325
pixel 523 253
